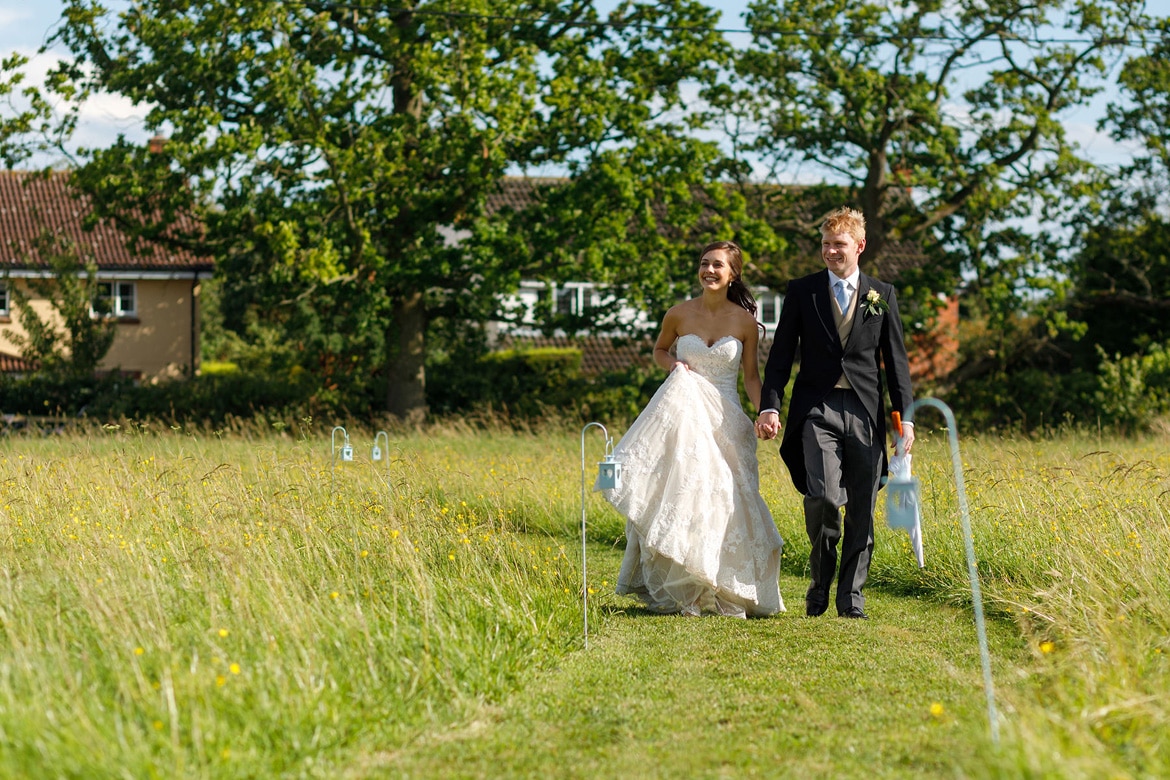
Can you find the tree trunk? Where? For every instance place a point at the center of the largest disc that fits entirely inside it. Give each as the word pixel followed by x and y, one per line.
pixel 406 391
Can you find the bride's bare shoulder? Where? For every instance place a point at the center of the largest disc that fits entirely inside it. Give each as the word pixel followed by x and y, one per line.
pixel 682 312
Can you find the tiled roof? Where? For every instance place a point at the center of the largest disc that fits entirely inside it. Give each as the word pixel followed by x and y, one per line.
pixel 599 354
pixel 13 364
pixel 519 192
pixel 31 204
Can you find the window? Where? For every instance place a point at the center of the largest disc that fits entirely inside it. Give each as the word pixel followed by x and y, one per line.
pixel 769 307
pixel 567 302
pixel 3 299
pixel 117 299
pixel 575 298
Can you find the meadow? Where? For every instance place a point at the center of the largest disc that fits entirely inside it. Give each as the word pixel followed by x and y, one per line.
pixel 241 603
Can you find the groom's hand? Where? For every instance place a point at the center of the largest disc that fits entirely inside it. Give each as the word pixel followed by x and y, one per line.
pixel 907 437
pixel 767 425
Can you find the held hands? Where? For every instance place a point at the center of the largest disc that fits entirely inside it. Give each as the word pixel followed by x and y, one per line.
pixel 768 425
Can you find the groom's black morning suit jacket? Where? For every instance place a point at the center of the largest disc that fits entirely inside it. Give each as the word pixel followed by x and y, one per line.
pixel 807 324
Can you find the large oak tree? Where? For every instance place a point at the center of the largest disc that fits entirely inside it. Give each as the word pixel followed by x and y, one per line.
pixel 936 117
pixel 326 146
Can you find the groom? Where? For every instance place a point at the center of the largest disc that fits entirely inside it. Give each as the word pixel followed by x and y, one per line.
pixel 845 326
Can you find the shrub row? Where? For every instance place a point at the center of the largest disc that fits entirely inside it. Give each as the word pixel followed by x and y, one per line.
pixel 212 399
pixel 538 382
pixel 1126 394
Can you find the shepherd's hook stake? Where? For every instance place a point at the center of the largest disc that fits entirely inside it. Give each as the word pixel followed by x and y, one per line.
pixel 609 475
pixel 972 571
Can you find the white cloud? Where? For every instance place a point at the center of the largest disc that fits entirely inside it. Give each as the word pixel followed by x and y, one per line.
pixel 101 119
pixel 10 17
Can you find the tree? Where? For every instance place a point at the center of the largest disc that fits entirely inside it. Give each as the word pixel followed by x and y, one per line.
pixel 325 147
pixel 1122 270
pixel 23 108
pixel 28 122
pixel 76 344
pixel 1123 281
pixel 866 93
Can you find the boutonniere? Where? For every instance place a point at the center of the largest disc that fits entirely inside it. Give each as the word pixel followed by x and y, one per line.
pixel 874 305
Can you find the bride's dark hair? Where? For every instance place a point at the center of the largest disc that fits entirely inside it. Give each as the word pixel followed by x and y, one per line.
pixel 737 291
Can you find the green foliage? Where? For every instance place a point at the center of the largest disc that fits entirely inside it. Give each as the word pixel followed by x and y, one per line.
pixel 1139 117
pixel 1122 275
pixel 209 399
pixel 42 394
pixel 1134 390
pixel 531 384
pixel 28 122
pixel 618 397
pixel 210 368
pixel 869 95
pixel 86 332
pixel 1025 399
pixel 631 218
pixel 325 151
pixel 1129 393
pixel 511 381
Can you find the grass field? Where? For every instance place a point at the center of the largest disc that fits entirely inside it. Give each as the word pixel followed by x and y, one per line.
pixel 243 604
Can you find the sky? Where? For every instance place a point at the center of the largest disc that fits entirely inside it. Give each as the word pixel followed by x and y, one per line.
pixel 25 25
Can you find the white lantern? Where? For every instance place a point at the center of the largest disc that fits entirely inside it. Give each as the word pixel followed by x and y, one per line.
pixel 902 503
pixel 609 473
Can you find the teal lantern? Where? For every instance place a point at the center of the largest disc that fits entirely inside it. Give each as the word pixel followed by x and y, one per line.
pixel 609 473
pixel 377 452
pixel 902 503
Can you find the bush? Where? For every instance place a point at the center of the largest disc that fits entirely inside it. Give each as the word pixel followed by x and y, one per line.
pixel 521 381
pixel 531 383
pixel 1134 390
pixel 1025 399
pixel 211 399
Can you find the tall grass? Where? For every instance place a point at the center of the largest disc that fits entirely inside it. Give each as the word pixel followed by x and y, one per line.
pixel 177 604
pixel 191 606
pixel 1072 537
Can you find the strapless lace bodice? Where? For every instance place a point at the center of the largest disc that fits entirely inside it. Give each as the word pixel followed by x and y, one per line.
pixel 718 363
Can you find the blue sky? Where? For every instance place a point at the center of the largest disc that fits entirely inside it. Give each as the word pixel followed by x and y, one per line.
pixel 25 25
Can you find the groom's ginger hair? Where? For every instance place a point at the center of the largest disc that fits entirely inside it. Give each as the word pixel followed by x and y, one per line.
pixel 845 220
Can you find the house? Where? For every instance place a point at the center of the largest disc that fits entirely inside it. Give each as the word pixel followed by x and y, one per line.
pixel 933 353
pixel 603 348
pixel 152 293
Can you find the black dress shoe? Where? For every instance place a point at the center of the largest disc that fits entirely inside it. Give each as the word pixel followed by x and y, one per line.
pixel 815 608
pixel 854 612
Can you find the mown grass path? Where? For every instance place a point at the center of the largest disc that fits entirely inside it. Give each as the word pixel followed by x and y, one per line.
pixel 898 696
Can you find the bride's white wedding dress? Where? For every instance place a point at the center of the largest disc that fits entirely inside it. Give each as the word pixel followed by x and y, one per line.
pixel 699 536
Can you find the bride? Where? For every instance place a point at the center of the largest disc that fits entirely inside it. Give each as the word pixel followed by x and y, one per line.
pixel 700 538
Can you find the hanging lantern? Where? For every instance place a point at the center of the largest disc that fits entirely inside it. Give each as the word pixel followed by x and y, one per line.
pixel 609 473
pixel 902 503
pixel 377 452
